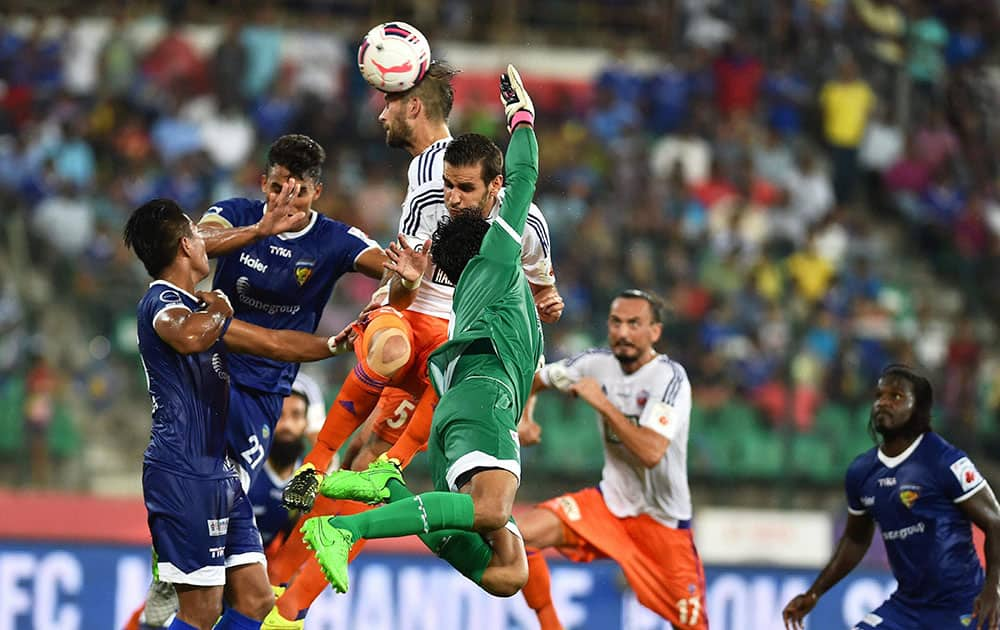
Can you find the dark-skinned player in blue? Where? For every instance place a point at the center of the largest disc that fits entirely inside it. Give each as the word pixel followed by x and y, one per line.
pixel 924 494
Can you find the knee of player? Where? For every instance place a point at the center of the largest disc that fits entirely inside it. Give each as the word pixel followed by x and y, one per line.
pixel 388 352
pixel 505 581
pixel 490 515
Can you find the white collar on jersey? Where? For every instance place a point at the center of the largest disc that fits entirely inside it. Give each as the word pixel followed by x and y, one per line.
pixel 313 216
pixel 174 287
pixel 443 142
pixel 892 462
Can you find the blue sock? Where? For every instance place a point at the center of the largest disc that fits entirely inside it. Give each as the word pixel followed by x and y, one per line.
pixel 232 620
pixel 177 624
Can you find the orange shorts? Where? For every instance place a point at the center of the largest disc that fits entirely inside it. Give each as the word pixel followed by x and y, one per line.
pixel 660 562
pixel 399 400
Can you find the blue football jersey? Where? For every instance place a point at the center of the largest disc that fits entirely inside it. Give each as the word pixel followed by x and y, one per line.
pixel 281 282
pixel 189 393
pixel 265 497
pixel 913 498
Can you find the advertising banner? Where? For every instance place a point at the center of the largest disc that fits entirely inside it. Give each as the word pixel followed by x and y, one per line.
pixel 47 586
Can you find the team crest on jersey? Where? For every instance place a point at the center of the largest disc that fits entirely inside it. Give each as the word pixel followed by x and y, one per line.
pixel 909 495
pixel 642 397
pixel 304 271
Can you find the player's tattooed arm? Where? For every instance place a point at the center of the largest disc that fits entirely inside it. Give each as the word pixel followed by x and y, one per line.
pixel 281 345
pixel 407 265
pixel 282 216
pixel 982 509
pixel 189 332
pixel 853 545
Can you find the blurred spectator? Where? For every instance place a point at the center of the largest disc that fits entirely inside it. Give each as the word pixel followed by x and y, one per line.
pixel 935 142
pixel 927 38
pixel 966 44
pixel 738 76
pixel 683 152
pixel 39 410
pixel 229 67
pixel 787 94
pixel 117 59
pixel 173 65
pixel 847 101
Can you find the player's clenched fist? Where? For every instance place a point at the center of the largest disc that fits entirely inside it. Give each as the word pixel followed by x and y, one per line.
pixel 216 302
pixel 300 493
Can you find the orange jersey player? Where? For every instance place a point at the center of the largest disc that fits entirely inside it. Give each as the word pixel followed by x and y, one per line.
pixel 640 515
pixel 393 340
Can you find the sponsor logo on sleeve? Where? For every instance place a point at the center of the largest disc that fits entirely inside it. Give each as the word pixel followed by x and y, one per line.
pixel 170 297
pixel 218 526
pixel 966 473
pixel 569 508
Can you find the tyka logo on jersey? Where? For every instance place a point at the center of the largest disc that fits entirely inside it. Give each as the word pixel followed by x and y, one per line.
pixel 303 271
pixel 284 252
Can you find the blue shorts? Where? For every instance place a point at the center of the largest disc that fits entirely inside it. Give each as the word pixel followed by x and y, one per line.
pixel 200 527
pixel 895 615
pixel 250 428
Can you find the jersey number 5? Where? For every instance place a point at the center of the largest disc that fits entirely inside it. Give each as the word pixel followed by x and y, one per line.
pixel 401 415
pixel 253 455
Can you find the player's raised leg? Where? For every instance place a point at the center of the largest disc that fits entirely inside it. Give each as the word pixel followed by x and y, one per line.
pixel 384 348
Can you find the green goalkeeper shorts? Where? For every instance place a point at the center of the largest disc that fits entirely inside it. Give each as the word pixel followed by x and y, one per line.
pixel 475 426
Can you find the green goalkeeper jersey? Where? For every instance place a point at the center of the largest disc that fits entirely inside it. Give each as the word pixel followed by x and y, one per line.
pixel 492 298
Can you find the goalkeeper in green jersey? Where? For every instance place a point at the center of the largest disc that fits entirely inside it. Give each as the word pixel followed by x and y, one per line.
pixel 483 375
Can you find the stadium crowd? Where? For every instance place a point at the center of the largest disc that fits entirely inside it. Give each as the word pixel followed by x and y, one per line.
pixel 811 184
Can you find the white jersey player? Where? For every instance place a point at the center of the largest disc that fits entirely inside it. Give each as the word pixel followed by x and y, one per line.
pixel 657 396
pixel 424 207
pixel 640 515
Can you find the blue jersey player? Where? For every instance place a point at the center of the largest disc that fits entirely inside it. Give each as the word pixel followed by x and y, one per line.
pixel 201 523
pixel 924 494
pixel 273 518
pixel 278 260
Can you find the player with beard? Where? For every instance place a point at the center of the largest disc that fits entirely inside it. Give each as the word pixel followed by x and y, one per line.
pixel 640 515
pixel 287 448
pixel 923 493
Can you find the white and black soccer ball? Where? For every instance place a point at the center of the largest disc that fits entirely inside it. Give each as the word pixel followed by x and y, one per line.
pixel 394 56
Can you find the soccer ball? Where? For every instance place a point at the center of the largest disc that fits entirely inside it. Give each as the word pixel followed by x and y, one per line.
pixel 393 57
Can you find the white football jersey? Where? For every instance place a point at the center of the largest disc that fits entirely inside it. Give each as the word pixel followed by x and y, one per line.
pixel 424 207
pixel 657 396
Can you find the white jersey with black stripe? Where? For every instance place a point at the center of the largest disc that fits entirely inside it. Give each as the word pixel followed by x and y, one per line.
pixel 424 207
pixel 656 396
